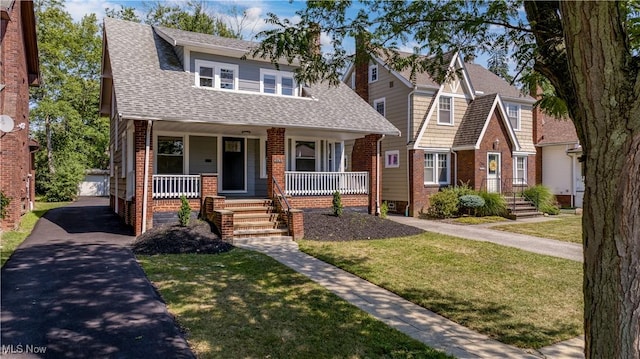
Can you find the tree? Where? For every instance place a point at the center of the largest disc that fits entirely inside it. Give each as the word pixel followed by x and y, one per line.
pixel 193 17
pixel 588 52
pixel 64 109
pixel 124 13
pixel 499 65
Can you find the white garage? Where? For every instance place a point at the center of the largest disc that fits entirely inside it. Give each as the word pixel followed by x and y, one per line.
pixel 95 183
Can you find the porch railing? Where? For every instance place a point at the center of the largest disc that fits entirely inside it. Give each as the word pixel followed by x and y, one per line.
pixel 174 186
pixel 326 183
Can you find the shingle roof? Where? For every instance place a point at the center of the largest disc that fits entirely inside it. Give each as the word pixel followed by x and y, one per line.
pixel 557 131
pixel 180 37
pixel 473 121
pixel 149 82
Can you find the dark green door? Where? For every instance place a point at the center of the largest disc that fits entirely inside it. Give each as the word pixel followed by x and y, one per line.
pixel 233 164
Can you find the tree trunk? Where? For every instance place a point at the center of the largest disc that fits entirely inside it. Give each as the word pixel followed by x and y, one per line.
pixel 604 81
pixel 47 126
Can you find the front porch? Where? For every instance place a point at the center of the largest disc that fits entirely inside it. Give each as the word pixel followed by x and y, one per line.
pixel 293 171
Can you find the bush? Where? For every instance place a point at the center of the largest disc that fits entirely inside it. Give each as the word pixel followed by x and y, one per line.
pixel 337 204
pixel 4 203
pixel 384 209
pixel 444 204
pixel 184 214
pixel 494 205
pixel 471 202
pixel 63 184
pixel 542 198
pixel 463 190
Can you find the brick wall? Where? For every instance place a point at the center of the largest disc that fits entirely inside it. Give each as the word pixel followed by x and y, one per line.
pixel 467 169
pixel 362 68
pixel 276 162
pixel 15 158
pixel 327 201
pixel 496 130
pixel 140 134
pixel 363 158
pixel 173 204
pixel 419 193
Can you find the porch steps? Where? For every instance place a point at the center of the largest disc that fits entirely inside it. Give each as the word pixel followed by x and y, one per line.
pixel 520 207
pixel 256 220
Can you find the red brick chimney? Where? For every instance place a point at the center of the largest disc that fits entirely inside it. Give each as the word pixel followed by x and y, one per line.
pixel 362 66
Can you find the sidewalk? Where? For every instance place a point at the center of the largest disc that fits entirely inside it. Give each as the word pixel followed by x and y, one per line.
pixel 532 244
pixel 409 318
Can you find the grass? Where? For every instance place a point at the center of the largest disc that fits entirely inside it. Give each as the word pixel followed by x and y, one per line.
pixel 479 220
pixel 516 297
pixel 12 239
pixel 243 304
pixel 564 228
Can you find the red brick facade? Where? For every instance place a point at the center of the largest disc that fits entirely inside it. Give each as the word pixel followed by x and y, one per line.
pixel 364 158
pixel 276 162
pixel 418 192
pixel 140 135
pixel 348 200
pixel 19 70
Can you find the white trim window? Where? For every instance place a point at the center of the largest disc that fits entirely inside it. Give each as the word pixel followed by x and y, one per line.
pixel 513 112
pixel 445 110
pixel 436 168
pixel 380 106
pixel 392 159
pixel 520 170
pixel 373 73
pixel 278 83
pixel 216 75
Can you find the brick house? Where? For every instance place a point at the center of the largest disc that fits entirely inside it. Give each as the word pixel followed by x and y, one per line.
pixel 20 69
pixel 245 143
pixel 474 128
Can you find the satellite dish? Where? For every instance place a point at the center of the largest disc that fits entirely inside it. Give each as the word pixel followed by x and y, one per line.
pixel 6 123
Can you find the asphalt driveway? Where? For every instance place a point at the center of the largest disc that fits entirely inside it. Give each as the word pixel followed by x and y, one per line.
pixel 73 289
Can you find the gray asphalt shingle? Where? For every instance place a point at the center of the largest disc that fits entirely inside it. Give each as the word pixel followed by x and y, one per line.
pixel 473 121
pixel 150 82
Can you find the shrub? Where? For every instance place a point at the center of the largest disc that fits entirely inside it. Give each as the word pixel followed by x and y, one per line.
pixel 384 209
pixel 444 204
pixel 4 203
pixel 63 184
pixel 337 204
pixel 184 214
pixel 471 202
pixel 463 190
pixel 494 205
pixel 542 198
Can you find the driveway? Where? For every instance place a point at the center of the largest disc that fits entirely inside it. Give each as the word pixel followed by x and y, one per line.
pixel 74 289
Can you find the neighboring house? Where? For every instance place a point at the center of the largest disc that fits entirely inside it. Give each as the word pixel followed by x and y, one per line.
pixel 560 154
pixel 475 129
pixel 190 117
pixel 20 69
pixel 95 183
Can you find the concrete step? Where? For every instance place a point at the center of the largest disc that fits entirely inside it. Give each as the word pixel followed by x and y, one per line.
pixel 255 217
pixel 270 239
pixel 257 225
pixel 254 233
pixel 251 209
pixel 524 214
pixel 250 202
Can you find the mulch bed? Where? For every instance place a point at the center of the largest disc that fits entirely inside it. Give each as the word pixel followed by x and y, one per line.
pixel 198 237
pixel 353 226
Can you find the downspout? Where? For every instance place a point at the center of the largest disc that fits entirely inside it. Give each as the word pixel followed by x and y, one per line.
pixel 145 190
pixel 116 196
pixel 572 182
pixel 378 149
pixel 409 133
pixel 455 167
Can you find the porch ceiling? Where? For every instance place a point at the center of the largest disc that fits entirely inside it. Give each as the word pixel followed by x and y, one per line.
pixel 202 128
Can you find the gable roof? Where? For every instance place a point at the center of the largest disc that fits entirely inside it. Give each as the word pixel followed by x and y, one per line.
pixel 557 131
pixel 475 121
pixel 150 83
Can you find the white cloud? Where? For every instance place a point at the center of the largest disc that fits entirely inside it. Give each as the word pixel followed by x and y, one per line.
pixel 79 8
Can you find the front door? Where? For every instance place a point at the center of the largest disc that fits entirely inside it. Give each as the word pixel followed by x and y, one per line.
pixel 233 164
pixel 493 172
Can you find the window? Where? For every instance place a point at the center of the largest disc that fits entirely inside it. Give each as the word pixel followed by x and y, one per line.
pixel 263 156
pixel 520 170
pixel 170 155
pixel 305 156
pixel 277 83
pixel 373 73
pixel 392 159
pixel 436 168
pixel 513 112
pixel 216 75
pixel 379 105
pixel 445 111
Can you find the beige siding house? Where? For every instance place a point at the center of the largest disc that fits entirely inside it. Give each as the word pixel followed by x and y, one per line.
pixel 474 129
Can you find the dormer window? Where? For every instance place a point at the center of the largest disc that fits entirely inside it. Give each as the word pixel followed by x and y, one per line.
pixel 216 75
pixel 513 112
pixel 277 83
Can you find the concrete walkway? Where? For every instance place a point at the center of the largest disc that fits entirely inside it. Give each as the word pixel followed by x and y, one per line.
pixel 532 244
pixel 73 289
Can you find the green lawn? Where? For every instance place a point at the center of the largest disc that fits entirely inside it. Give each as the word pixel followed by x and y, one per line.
pixel 243 304
pixel 479 220
pixel 11 240
pixel 516 297
pixel 566 228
